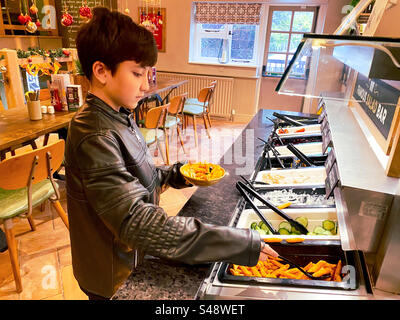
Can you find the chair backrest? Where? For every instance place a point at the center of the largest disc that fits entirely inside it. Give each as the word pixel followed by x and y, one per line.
pixel 176 104
pixel 17 172
pixel 156 117
pixel 204 94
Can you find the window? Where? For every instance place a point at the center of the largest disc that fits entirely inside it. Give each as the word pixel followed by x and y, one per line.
pixel 225 33
pixel 225 43
pixel 286 26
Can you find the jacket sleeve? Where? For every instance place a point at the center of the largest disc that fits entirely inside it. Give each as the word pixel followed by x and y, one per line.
pixel 121 202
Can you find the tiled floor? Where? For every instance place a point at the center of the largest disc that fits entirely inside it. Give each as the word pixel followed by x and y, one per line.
pixel 44 254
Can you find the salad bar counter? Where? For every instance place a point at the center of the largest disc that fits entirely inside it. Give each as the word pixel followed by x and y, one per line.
pixel 296 203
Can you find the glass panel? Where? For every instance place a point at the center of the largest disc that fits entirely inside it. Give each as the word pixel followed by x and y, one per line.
pixel 243 37
pixel 327 64
pixel 213 26
pixel 275 64
pixel 294 41
pixel 278 42
pixel 303 21
pixel 210 47
pixel 281 20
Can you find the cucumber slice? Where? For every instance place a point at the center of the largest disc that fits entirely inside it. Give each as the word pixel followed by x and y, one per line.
pixel 285 225
pixel 303 221
pixel 295 231
pixel 327 233
pixel 253 225
pixel 283 231
pixel 311 234
pixel 260 224
pixel 319 230
pixel 328 225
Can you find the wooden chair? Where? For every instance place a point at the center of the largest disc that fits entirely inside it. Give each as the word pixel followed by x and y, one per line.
pixel 196 101
pixel 175 111
pixel 193 110
pixel 154 129
pixel 26 181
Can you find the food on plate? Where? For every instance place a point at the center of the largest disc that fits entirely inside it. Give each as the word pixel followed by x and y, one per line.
pixel 273 268
pixel 203 171
pixel 282 131
pixel 300 130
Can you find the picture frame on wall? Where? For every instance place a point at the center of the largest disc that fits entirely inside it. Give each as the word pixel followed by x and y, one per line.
pixel 154 19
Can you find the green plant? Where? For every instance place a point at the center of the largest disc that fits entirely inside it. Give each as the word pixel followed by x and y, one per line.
pixel 78 68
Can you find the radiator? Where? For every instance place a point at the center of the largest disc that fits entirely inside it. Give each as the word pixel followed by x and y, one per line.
pixel 222 100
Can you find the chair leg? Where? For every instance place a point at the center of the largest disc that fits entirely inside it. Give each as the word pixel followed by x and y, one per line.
pixel 162 153
pixel 195 131
pixel 12 250
pixel 31 223
pixel 205 124
pixel 180 139
pixel 209 120
pixel 166 146
pixel 56 204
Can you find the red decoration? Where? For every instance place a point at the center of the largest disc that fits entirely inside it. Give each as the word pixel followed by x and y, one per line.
pixel 66 53
pixel 67 19
pixel 33 9
pixel 38 23
pixel 85 11
pixel 22 19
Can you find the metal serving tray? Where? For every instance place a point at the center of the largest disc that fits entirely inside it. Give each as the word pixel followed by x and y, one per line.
pixel 305 138
pixel 297 201
pixel 302 254
pixel 290 161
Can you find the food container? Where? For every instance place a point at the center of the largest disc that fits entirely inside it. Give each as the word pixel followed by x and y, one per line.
pixel 312 148
pixel 302 254
pixel 298 197
pixel 305 138
pixel 299 131
pixel 315 218
pixel 310 176
pixel 291 162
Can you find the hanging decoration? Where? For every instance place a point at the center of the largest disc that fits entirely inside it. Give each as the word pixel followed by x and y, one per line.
pixel 84 11
pixel 152 17
pixel 66 18
pixel 127 11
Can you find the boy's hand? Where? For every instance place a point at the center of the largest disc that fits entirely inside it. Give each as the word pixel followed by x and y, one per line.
pixel 266 251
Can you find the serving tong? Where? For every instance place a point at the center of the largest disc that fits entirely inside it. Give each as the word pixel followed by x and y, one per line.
pixel 268 147
pixel 303 158
pixel 249 189
pixel 288 119
pixel 325 276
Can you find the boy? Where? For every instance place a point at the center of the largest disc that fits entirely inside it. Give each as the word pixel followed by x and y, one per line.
pixel 113 186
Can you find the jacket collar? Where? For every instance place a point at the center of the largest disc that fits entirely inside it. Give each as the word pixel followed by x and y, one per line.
pixel 124 115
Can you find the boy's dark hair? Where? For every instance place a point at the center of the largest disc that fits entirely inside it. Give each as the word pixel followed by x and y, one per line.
pixel 112 37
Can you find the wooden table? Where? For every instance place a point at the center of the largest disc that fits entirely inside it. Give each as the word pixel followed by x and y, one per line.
pixel 16 129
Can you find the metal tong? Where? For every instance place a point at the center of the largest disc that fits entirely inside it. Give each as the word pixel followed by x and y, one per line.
pixel 274 152
pixel 303 158
pixel 304 271
pixel 250 189
pixel 241 187
pixel 288 119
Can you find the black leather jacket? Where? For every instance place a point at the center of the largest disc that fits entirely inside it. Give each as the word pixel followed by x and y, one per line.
pixel 113 191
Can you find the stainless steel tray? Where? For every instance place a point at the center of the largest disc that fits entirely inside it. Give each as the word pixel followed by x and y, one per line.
pixel 302 254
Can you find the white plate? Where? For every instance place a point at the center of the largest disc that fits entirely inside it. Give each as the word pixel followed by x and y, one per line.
pixel 311 148
pixel 315 218
pixel 311 129
pixel 310 176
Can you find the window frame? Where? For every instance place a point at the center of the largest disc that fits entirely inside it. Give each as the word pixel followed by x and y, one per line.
pixel 294 8
pixel 226 34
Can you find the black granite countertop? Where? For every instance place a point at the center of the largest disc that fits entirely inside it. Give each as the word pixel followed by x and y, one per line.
pixel 156 279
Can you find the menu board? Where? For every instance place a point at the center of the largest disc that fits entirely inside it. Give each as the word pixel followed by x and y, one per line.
pixel 68 34
pixel 378 100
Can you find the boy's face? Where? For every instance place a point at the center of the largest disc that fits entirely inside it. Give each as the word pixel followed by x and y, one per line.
pixel 128 84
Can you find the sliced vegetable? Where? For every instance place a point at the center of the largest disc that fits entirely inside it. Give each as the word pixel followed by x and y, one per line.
pixel 294 240
pixel 272 240
pixel 283 231
pixel 285 225
pixel 319 230
pixel 328 225
pixel 285 205
pixel 295 231
pixel 253 225
pixel 301 130
pixel 303 221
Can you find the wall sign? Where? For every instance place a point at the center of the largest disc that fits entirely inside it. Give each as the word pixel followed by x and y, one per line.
pixel 378 100
pixel 154 20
